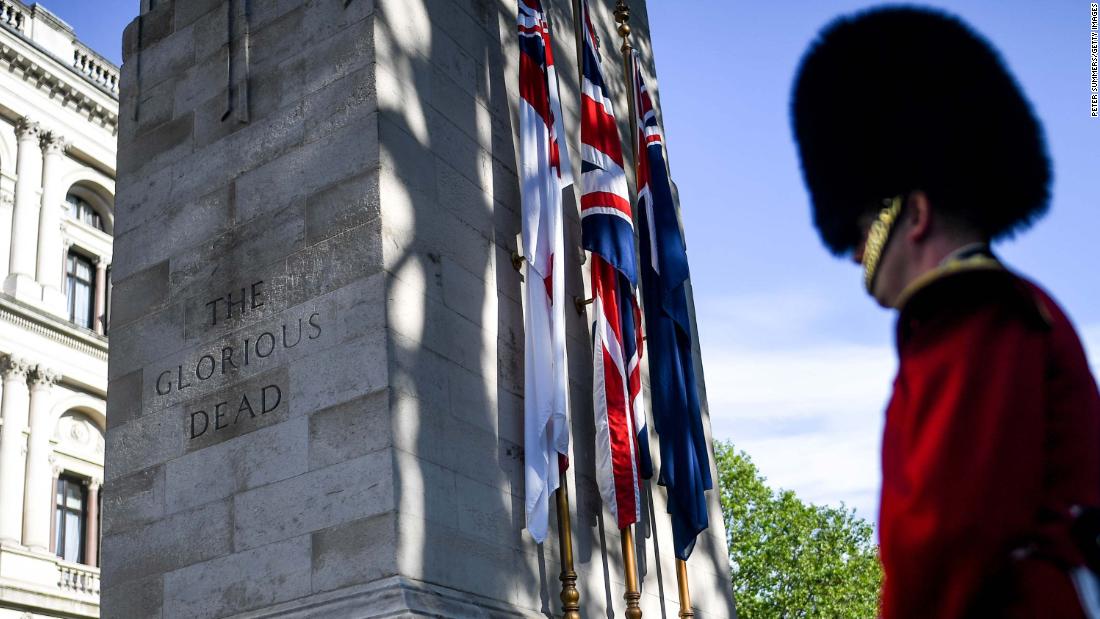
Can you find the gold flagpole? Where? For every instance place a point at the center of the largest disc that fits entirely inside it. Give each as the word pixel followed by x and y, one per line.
pixel 686 610
pixel 632 595
pixel 570 597
pixel 630 563
pixel 622 17
pixel 578 31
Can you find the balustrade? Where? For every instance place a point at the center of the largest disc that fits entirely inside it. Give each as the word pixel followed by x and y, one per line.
pixel 95 68
pixel 12 15
pixel 75 578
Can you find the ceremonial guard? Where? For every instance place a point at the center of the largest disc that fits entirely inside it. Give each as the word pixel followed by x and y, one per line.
pixel 919 150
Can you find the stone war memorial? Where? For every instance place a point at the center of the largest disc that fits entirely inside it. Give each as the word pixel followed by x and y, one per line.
pixel 316 378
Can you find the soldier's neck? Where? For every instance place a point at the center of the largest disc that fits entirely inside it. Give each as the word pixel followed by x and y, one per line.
pixel 939 257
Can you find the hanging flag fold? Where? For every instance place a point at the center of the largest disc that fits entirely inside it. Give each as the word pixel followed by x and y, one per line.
pixel 544 172
pixel 607 230
pixel 685 461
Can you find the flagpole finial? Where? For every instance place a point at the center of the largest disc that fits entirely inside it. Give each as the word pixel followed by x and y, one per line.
pixel 622 17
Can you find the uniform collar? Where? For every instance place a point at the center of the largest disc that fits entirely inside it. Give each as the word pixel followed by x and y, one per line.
pixel 972 257
pixel 968 251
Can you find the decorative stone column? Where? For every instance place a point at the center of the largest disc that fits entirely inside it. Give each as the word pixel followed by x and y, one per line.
pixel 21 259
pixel 13 407
pixel 100 296
pixel 56 470
pixel 66 244
pixel 37 493
pixel 7 202
pixel 91 541
pixel 49 222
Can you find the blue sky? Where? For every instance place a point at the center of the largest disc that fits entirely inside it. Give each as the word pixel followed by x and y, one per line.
pixel 798 360
pixel 98 23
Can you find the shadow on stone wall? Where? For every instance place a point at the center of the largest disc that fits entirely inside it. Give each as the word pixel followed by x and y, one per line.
pixel 447 101
pixel 456 368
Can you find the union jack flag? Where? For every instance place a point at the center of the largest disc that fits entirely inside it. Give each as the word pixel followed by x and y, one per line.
pixel 607 230
pixel 544 171
pixel 685 460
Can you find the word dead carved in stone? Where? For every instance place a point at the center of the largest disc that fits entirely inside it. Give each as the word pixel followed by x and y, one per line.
pixel 262 403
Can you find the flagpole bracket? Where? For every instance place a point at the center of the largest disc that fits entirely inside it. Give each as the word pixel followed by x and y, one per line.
pixel 517 261
pixel 580 304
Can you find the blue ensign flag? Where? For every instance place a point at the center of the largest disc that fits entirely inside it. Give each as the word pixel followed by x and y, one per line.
pixel 685 461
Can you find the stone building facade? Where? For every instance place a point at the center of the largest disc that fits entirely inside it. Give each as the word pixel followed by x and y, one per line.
pixel 58 122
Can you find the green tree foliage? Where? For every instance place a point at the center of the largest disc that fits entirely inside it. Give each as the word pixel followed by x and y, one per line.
pixel 793 559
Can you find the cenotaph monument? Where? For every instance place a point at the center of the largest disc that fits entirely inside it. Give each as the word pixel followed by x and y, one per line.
pixel 316 368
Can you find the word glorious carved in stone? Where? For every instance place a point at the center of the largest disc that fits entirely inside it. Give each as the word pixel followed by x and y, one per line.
pixel 239 354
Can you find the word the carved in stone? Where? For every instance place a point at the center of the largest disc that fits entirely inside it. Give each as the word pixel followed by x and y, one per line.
pixel 249 299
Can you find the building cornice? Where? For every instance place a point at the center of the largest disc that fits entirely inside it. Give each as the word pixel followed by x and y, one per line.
pixel 23 58
pixel 75 592
pixel 34 320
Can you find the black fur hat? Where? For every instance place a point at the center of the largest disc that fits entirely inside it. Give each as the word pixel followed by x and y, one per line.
pixel 901 99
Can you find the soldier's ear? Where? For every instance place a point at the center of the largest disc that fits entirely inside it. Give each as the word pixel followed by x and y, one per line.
pixel 917 215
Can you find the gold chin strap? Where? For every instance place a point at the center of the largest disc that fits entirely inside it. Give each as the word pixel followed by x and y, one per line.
pixel 877 237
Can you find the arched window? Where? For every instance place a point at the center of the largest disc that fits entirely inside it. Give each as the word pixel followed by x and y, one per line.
pixel 72 499
pixel 80 210
pixel 80 289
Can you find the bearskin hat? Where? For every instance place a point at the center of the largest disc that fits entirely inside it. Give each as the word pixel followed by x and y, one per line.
pixel 900 99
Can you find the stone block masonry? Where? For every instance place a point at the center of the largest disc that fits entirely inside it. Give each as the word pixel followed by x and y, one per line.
pixel 316 381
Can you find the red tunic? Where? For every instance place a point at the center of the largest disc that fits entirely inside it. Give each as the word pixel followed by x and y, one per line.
pixel 992 434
